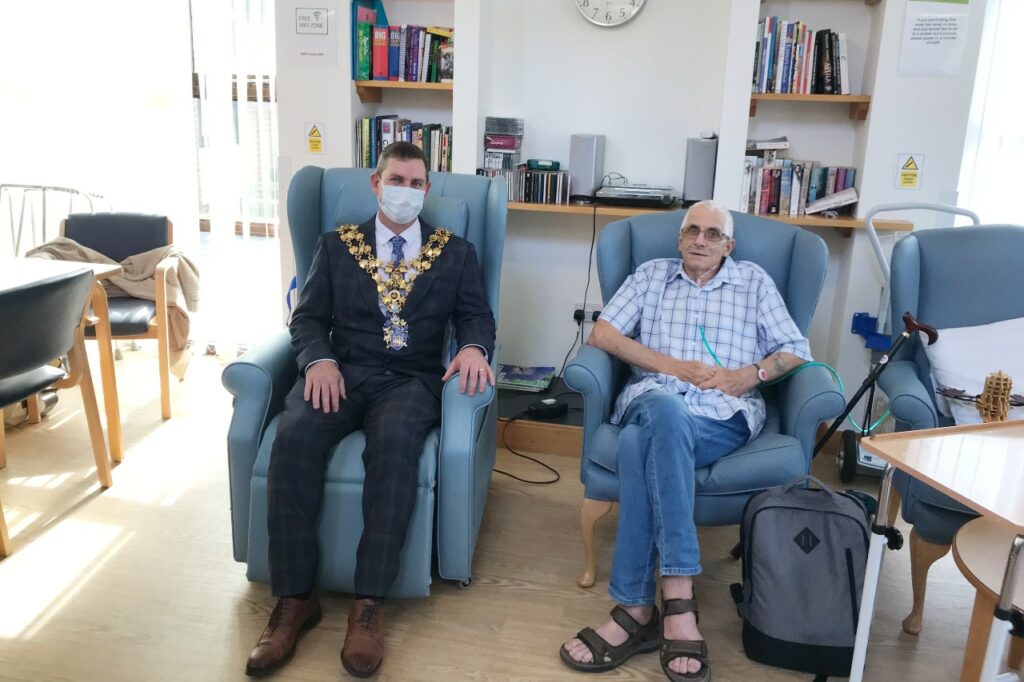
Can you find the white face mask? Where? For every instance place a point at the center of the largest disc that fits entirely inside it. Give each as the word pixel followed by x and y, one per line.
pixel 401 204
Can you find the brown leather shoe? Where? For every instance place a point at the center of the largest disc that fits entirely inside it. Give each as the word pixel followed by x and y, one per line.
pixel 277 643
pixel 363 651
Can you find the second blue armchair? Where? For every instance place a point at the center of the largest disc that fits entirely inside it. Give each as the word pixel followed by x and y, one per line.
pixel 796 259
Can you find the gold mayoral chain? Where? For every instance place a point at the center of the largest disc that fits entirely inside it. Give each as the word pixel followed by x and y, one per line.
pixel 393 286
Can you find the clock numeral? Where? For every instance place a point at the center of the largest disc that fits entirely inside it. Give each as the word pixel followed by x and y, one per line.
pixel 584 3
pixel 608 16
pixel 595 11
pixel 622 12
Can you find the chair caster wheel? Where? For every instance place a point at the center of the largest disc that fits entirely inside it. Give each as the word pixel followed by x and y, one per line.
pixel 894 538
pixel 465 584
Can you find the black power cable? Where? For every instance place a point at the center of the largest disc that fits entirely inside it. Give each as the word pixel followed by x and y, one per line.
pixel 586 290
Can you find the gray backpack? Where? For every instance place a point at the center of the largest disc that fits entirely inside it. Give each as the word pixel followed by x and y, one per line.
pixel 804 553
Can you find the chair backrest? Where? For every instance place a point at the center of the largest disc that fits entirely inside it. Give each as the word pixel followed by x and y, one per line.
pixel 796 259
pixel 118 235
pixel 956 277
pixel 471 206
pixel 40 320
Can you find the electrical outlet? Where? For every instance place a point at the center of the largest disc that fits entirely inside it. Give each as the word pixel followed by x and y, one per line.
pixel 588 311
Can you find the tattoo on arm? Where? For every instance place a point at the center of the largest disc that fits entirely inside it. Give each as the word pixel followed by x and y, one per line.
pixel 780 365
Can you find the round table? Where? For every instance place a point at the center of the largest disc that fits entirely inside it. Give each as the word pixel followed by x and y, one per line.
pixel 980 549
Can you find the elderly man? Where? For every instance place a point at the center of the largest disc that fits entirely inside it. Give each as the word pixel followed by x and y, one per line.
pixel 701 334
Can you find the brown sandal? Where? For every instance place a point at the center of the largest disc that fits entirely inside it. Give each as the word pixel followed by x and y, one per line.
pixel 642 639
pixel 672 649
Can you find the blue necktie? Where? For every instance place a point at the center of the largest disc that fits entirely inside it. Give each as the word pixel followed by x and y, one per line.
pixel 396 249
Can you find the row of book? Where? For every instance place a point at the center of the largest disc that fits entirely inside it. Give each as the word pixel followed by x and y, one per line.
pixel 374 133
pixel 793 188
pixel 405 53
pixel 791 58
pixel 532 186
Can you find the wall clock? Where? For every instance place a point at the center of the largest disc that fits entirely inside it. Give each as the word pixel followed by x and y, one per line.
pixel 608 13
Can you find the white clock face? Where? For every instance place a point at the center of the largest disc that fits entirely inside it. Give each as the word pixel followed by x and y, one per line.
pixel 609 12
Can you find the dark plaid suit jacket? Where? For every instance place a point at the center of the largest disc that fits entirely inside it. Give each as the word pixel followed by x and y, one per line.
pixel 338 316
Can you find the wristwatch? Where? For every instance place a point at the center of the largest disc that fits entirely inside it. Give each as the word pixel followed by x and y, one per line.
pixel 762 374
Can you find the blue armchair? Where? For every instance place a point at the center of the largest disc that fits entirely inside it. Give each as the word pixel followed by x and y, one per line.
pixel 946 278
pixel 455 468
pixel 796 259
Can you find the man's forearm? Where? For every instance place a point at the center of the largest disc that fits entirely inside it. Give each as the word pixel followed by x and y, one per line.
pixel 777 364
pixel 607 338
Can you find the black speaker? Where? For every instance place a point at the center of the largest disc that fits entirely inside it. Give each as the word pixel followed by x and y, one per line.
pixel 586 166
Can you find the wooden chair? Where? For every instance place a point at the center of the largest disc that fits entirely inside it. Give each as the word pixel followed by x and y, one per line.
pixel 45 320
pixel 119 236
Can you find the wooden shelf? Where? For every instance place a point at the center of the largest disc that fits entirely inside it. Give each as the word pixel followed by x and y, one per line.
pixel 859 104
pixel 588 209
pixel 844 223
pixel 371 91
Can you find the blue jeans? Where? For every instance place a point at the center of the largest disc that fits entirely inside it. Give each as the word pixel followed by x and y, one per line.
pixel 660 447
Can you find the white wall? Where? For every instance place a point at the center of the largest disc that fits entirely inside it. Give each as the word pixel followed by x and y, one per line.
pixel 98 97
pixel 646 86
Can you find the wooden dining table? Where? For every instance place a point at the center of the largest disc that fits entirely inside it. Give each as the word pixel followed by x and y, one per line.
pixel 980 466
pixel 20 272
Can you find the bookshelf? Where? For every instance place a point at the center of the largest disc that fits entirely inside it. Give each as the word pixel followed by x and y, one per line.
pixel 859 104
pixel 372 91
pixel 413 104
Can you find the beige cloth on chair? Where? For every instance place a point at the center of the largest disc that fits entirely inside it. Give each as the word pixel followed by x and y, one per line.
pixel 138 280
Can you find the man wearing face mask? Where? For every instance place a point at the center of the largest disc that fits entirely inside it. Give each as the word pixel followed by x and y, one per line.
pixel 701 333
pixel 368 331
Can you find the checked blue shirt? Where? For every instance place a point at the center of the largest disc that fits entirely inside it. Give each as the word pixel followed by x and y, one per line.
pixel 744 320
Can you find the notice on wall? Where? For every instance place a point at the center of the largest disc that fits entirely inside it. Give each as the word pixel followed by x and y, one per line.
pixel 934 34
pixel 311 40
pixel 909 168
pixel 314 137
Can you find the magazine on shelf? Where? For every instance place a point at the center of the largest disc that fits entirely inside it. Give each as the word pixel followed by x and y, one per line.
pixel 523 378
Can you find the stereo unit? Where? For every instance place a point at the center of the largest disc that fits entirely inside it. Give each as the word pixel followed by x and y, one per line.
pixel 637 195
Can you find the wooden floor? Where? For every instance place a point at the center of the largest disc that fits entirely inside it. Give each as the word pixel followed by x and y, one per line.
pixel 137 582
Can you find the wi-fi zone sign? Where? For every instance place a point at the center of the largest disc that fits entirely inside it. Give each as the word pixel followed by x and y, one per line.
pixel 311 20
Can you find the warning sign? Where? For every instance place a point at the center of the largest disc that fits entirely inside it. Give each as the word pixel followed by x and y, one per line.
pixel 908 171
pixel 314 138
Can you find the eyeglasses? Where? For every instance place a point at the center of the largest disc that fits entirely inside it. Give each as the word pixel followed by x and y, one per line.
pixel 712 235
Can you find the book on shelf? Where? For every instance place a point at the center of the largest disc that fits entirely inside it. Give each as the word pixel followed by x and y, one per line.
pixel 524 378
pixel 792 58
pixel 405 52
pixel 363 12
pixel 843 197
pixel 790 187
pixel 773 143
pixel 373 133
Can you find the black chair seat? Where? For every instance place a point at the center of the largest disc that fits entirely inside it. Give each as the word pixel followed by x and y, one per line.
pixel 21 386
pixel 128 316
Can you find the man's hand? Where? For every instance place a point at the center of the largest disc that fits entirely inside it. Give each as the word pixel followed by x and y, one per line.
pixel 474 372
pixel 691 371
pixel 734 382
pixel 325 386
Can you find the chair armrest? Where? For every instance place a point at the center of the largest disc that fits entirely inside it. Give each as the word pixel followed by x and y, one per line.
pixel 809 398
pixel 592 374
pixel 162 268
pixel 259 382
pixel 465 460
pixel 909 401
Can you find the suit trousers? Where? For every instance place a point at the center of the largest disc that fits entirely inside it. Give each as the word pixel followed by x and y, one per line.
pixel 396 413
